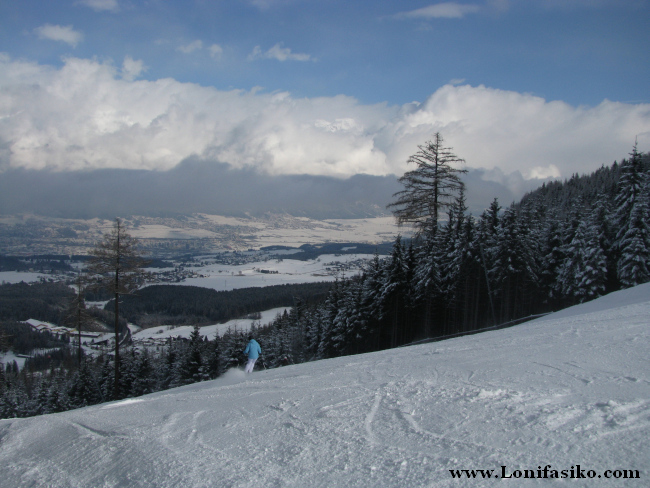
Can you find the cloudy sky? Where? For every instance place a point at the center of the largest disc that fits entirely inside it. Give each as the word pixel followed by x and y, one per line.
pixel 521 89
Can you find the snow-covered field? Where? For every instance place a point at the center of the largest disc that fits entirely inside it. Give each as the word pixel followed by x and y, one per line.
pixel 271 230
pixel 223 277
pixel 571 391
pixel 20 276
pixel 9 357
pixel 209 331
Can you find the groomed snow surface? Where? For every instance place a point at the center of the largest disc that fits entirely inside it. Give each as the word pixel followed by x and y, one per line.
pixel 568 390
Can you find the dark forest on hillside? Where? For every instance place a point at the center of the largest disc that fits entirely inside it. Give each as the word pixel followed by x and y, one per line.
pixel 176 305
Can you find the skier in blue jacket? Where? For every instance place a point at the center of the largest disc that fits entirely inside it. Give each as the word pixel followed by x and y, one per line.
pixel 253 350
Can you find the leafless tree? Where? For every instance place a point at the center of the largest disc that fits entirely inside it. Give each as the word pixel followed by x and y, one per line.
pixel 118 266
pixel 430 188
pixel 77 315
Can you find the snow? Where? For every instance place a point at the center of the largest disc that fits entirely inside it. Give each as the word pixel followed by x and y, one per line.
pixel 570 389
pixel 209 331
pixel 9 357
pixel 20 276
pixel 222 277
pixel 226 277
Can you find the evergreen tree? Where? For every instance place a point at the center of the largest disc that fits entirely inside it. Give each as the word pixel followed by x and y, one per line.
pixel 634 243
pixel 392 296
pixel 57 400
pixel 430 188
pixel 330 310
pixel 143 380
pixel 106 379
pixel 427 282
pixel 515 269
pixel 349 324
pixel 628 192
pixel 214 361
pixel 189 369
pixel 83 390
pixel 584 272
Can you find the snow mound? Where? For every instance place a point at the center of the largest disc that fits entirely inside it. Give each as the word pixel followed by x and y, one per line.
pixel 570 391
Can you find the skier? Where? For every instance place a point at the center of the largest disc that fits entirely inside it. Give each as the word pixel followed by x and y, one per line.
pixel 253 350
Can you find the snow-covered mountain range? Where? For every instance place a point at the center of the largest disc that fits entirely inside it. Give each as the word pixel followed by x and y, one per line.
pixel 567 395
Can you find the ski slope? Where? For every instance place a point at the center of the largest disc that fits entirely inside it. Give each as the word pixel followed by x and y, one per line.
pixel 571 389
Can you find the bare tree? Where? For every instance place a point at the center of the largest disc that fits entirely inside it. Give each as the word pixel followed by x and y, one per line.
pixel 430 188
pixel 118 266
pixel 77 315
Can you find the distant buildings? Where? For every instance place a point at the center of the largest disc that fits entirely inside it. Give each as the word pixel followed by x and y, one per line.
pixel 60 332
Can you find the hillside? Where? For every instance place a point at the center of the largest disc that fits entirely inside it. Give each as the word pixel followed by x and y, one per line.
pixel 571 389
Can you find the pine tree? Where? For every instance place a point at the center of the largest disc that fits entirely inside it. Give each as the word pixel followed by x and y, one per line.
pixel 143 381
pixel 127 375
pixel 349 325
pixel 330 310
pixel 515 267
pixel 392 296
pixel 314 332
pixel 430 188
pixel 628 192
pixel 106 379
pixel 189 370
pixel 83 389
pixel 214 360
pixel 634 243
pixel 584 272
pixel 57 400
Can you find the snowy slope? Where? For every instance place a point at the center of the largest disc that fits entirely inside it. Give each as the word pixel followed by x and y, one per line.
pixel 564 391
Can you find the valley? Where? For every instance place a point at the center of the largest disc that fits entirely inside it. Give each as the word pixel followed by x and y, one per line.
pixel 164 237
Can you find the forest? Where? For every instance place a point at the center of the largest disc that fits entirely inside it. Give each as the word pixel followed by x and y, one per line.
pixel 565 243
pixel 187 305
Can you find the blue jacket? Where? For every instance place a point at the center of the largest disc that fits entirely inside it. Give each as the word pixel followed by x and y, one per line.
pixel 253 349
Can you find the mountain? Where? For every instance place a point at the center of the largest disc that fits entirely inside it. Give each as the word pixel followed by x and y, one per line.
pixel 569 390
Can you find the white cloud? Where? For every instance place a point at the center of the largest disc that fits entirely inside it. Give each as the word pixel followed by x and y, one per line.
pixel 191 47
pixel 215 50
pixel 445 10
pixel 132 68
pixel 59 33
pixel 101 5
pixel 88 115
pixel 278 52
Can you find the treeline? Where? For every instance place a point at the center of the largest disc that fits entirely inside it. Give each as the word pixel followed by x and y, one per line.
pixel 22 339
pixel 312 251
pixel 61 381
pixel 10 263
pixel 43 301
pixel 40 263
pixel 567 243
pixel 48 302
pixel 178 305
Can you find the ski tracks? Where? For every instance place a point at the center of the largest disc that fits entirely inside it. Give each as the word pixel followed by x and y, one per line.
pixel 370 418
